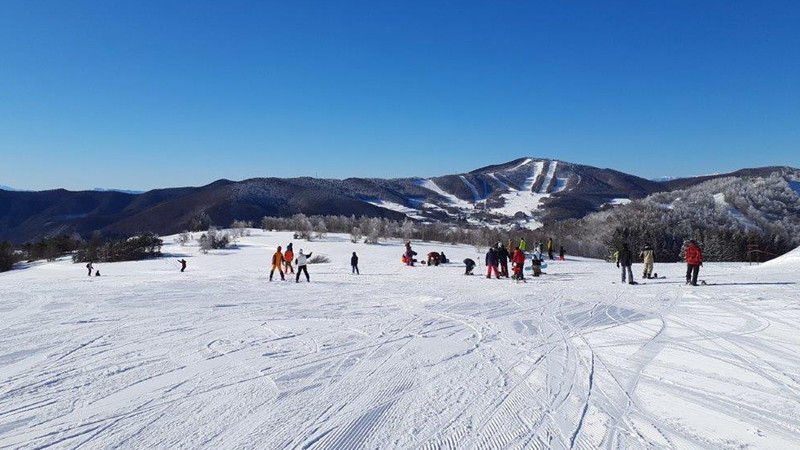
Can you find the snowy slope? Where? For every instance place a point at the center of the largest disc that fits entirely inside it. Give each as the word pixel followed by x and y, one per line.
pixel 398 357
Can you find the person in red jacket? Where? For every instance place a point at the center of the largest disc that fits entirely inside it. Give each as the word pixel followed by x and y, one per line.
pixel 518 258
pixel 694 259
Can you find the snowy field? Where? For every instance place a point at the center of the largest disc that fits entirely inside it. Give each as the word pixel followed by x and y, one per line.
pixel 398 357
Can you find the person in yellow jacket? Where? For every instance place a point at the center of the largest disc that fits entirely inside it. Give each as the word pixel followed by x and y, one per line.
pixel 288 257
pixel 277 263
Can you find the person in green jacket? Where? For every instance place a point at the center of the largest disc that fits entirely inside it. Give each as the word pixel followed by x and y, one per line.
pixel 522 244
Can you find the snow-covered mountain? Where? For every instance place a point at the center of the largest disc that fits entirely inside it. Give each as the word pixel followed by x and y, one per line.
pixel 525 192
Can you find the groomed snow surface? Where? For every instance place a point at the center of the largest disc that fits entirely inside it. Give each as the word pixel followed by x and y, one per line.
pixel 398 357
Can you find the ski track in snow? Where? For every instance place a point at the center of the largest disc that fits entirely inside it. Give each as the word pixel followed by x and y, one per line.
pixel 398 357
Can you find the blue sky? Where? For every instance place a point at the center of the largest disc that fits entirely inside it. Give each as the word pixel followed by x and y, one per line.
pixel 144 94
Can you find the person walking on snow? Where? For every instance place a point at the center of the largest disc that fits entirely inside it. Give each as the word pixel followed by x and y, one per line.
pixel 183 264
pixel 648 256
pixel 90 267
pixel 491 263
pixel 302 261
pixel 277 263
pixel 551 247
pixel 562 254
pixel 694 259
pixel 503 257
pixel 354 264
pixel 625 261
pixel 288 257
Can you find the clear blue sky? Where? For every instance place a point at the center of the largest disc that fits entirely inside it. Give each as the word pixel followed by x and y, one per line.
pixel 142 94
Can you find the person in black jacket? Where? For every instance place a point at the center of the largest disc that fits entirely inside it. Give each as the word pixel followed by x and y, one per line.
pixel 625 261
pixel 354 263
pixel 502 258
pixel 491 263
pixel 470 265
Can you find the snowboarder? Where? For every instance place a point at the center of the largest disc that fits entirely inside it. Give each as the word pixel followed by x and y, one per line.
pixel 277 262
pixel 694 259
pixel 443 259
pixel 470 265
pixel 625 261
pixel 183 264
pixel 562 254
pixel 518 258
pixel 522 244
pixel 648 256
pixel 288 257
pixel 551 247
pixel 537 254
pixel 536 263
pixel 433 259
pixel 354 264
pixel 301 261
pixel 90 267
pixel 491 263
pixel 502 258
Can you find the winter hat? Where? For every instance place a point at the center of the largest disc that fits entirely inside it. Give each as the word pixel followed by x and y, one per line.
pixel 279 248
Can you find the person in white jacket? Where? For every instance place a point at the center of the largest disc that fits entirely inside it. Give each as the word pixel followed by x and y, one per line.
pixel 302 261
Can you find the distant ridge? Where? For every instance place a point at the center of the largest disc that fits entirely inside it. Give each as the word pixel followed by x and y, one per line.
pixel 525 192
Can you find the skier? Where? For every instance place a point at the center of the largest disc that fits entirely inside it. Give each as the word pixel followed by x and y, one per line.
pixel 625 261
pixel 90 267
pixel 183 264
pixel 562 254
pixel 277 262
pixel 301 261
pixel 433 259
pixel 288 257
pixel 522 244
pixel 510 246
pixel 502 258
pixel 648 256
pixel 491 263
pixel 518 258
pixel 354 264
pixel 469 264
pixel 694 259
pixel 551 247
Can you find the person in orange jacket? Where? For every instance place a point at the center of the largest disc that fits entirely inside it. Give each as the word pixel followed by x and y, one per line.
pixel 694 259
pixel 277 262
pixel 288 257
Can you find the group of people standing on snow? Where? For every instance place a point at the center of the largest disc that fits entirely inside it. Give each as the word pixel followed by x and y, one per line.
pixel 498 257
pixel 282 262
pixel 624 259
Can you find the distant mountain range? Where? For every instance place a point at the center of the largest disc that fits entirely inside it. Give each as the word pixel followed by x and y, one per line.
pixel 525 192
